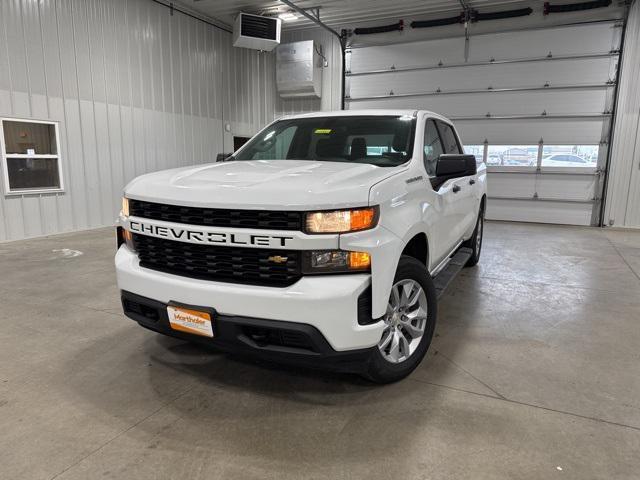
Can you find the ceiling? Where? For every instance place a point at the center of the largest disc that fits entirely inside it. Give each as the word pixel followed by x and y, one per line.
pixel 343 12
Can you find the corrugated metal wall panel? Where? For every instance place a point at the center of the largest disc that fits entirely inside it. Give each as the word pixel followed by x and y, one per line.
pixel 623 192
pixel 133 89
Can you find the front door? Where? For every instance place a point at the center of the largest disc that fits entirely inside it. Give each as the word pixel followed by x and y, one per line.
pixel 464 192
pixel 444 233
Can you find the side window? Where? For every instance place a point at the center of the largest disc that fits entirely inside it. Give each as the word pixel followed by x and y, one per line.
pixel 449 138
pixel 432 147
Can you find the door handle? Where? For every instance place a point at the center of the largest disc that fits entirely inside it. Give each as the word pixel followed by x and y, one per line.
pixel 456 188
pixel 472 182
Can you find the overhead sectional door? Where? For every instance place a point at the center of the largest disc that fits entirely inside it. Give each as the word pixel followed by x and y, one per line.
pixel 535 105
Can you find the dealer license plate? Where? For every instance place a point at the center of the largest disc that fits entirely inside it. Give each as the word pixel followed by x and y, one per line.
pixel 190 321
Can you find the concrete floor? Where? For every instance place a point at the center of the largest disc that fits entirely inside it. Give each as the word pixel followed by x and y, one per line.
pixel 534 373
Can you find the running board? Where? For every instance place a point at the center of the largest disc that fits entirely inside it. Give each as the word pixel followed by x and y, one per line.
pixel 448 273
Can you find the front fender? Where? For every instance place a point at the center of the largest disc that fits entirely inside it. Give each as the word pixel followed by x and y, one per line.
pixel 385 249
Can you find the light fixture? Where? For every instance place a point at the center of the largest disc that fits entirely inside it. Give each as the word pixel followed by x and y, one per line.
pixel 287 16
pixel 342 221
pixel 335 261
pixel 125 207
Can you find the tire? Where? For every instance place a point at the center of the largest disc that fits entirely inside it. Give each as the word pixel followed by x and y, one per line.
pixel 410 274
pixel 475 242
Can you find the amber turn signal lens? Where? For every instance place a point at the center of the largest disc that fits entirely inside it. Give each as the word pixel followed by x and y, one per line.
pixel 125 237
pixel 362 219
pixel 125 206
pixel 359 260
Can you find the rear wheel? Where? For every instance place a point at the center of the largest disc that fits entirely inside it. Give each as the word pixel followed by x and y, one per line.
pixel 475 242
pixel 408 324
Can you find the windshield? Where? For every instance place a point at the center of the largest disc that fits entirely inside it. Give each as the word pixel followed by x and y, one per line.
pixel 385 141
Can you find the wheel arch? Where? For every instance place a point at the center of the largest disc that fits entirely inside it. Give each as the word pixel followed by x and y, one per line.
pixel 418 248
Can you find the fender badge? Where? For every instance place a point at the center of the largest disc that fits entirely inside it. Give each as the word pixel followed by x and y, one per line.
pixel 414 179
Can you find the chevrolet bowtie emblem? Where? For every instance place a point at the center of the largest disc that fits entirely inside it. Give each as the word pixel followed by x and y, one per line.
pixel 277 259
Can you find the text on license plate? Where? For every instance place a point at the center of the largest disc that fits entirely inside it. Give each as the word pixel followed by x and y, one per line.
pixel 190 321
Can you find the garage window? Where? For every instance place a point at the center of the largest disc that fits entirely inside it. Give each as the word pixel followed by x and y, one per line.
pixel 475 150
pixel 30 156
pixel 570 156
pixel 512 155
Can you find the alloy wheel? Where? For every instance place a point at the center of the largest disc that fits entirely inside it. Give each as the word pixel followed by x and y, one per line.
pixel 405 321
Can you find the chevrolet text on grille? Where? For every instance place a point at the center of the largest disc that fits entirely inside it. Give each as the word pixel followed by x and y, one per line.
pixel 199 236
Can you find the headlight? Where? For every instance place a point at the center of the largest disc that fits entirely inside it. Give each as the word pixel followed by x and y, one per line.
pixel 342 221
pixel 125 206
pixel 335 261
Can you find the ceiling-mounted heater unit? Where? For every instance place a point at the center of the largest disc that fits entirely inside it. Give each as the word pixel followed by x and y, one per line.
pixel 256 32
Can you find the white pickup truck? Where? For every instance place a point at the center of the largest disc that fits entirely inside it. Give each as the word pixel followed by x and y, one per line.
pixel 324 241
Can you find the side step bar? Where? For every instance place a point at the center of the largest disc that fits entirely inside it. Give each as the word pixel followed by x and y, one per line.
pixel 448 273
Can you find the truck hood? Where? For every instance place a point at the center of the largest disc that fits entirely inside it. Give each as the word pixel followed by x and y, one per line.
pixel 263 185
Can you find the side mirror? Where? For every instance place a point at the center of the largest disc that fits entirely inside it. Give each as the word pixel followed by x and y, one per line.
pixel 223 157
pixel 453 165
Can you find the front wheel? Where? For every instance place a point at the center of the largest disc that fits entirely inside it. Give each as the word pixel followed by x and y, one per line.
pixel 408 324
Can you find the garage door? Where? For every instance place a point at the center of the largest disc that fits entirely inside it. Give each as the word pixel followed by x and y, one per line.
pixel 535 105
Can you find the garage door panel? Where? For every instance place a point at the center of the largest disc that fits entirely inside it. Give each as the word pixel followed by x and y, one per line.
pixel 559 102
pixel 515 132
pixel 567 187
pixel 510 185
pixel 539 211
pixel 449 50
pixel 574 188
pixel 575 40
pixel 594 71
pixel 562 41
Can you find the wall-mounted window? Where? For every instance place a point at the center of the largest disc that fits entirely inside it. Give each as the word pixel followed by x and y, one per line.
pixel 30 156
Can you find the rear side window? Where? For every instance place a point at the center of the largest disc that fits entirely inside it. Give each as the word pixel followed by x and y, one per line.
pixel 432 147
pixel 449 139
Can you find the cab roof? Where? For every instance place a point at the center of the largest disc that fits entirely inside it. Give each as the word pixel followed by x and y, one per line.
pixel 370 112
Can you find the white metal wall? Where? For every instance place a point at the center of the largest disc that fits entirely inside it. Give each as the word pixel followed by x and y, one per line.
pixel 508 88
pixel 134 90
pixel 623 192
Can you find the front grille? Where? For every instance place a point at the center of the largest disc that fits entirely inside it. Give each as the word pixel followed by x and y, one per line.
pixel 227 264
pixel 217 217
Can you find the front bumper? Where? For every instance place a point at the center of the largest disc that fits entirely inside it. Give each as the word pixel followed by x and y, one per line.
pixel 328 303
pixel 284 342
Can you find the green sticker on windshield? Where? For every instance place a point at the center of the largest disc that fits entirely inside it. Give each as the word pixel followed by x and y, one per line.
pixel 322 131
